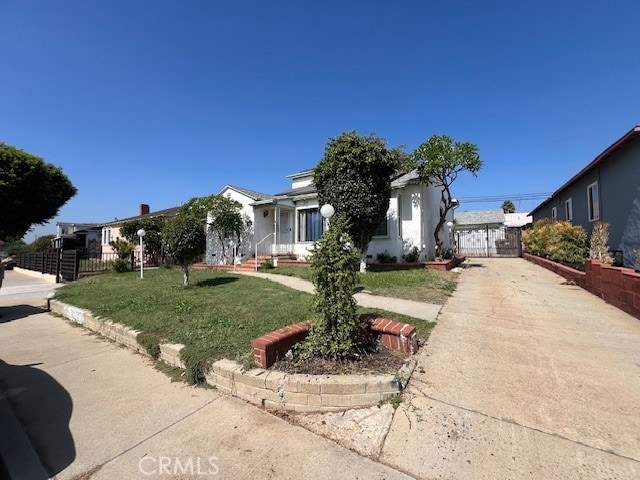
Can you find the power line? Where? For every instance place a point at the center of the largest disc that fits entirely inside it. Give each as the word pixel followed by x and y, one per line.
pixel 515 197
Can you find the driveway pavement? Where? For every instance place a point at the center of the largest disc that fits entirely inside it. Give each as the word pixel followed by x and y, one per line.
pixel 523 377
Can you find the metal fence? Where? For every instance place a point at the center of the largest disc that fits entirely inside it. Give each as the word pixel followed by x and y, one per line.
pixel 489 240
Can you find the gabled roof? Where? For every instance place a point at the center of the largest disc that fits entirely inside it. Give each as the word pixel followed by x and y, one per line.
pixel 168 212
pixel 255 196
pixel 479 217
pixel 604 156
pixel 405 179
pixel 298 192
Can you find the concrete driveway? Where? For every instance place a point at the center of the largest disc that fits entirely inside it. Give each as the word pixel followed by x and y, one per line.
pixel 523 377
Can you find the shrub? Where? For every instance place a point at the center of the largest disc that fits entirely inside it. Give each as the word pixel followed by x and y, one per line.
pixel 122 248
pixel 559 241
pixel 120 265
pixel 267 264
pixel 334 263
pixel 385 257
pixel 196 362
pixel 599 249
pixel 412 255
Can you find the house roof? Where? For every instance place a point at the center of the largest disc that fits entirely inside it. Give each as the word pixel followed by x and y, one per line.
pixel 603 157
pixel 250 193
pixel 479 217
pixel 303 173
pixel 404 179
pixel 168 212
pixel 298 192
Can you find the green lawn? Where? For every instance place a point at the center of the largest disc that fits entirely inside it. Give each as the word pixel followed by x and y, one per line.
pixel 217 316
pixel 422 285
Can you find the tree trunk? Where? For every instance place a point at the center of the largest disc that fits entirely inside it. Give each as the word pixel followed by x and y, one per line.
pixel 185 275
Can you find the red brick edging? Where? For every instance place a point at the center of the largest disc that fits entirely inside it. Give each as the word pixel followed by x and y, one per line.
pixel 269 348
pixel 618 286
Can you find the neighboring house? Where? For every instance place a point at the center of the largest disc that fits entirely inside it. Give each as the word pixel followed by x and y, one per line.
pixel 289 222
pixel 486 233
pixel 111 231
pixel 608 190
pixel 79 235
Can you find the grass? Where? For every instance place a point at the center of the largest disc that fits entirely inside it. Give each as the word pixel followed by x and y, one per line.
pixel 216 317
pixel 422 285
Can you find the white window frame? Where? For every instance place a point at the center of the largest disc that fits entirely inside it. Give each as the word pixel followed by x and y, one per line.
pixel 568 209
pixel 593 202
pixel 384 222
pixel 106 235
pixel 399 199
pixel 554 214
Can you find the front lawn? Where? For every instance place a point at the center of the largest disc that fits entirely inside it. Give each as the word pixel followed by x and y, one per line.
pixel 422 285
pixel 216 317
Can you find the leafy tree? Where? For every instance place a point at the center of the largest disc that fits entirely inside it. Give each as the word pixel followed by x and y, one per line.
pixel 334 275
pixel 31 191
pixel 184 239
pixel 14 245
pixel 153 234
pixel 439 161
pixel 122 248
pixel 508 206
pixel 354 176
pixel 42 244
pixel 222 215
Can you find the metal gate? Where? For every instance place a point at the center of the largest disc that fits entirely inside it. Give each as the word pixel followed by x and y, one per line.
pixel 488 240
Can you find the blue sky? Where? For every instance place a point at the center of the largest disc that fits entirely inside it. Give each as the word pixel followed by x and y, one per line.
pixel 160 101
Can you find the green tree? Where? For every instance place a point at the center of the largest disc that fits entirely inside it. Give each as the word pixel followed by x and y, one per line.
pixel 439 161
pixel 354 176
pixel 222 215
pixel 153 234
pixel 42 244
pixel 334 275
pixel 508 206
pixel 184 240
pixel 31 191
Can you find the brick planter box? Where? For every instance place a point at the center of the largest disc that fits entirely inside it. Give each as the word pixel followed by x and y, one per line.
pixel 271 347
pixel 445 264
pixel 617 286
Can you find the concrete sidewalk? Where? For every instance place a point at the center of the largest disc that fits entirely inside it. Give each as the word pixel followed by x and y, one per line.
pixel 524 377
pixel 422 310
pixel 92 408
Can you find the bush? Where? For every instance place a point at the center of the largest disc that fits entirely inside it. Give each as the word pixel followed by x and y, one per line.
pixel 120 265
pixel 385 257
pixel 412 255
pixel 561 242
pixel 599 244
pixel 267 264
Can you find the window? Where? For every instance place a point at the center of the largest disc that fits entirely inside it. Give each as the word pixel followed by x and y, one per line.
pixel 593 202
pixel 399 216
pixel 106 235
pixel 383 229
pixel 568 210
pixel 309 225
pixel 554 214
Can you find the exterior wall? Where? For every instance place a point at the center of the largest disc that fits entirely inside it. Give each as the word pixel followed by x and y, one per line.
pixel 302 180
pixel 303 249
pixel 115 233
pixel 618 180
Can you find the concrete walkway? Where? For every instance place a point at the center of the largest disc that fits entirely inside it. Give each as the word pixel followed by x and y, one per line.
pixel 92 408
pixel 524 377
pixel 425 311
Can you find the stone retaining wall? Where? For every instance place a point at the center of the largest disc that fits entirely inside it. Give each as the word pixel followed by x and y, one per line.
pixel 270 389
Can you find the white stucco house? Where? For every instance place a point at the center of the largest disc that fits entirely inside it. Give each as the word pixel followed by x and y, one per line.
pixel 288 223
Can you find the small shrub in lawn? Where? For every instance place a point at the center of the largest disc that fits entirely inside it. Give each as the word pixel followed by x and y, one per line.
pixel 385 257
pixel 120 265
pixel 151 343
pixel 412 255
pixel 196 362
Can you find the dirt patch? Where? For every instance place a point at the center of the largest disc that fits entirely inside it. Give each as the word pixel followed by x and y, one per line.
pixel 380 361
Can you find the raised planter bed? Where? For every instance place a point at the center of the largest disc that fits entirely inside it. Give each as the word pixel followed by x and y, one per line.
pixel 445 264
pixel 270 389
pixel 435 265
pixel 617 286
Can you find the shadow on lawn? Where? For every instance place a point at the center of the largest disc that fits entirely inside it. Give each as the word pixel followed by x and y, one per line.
pixel 214 282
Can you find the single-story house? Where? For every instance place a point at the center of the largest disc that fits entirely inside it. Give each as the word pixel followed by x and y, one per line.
pixel 79 235
pixel 607 190
pixel 111 231
pixel 288 222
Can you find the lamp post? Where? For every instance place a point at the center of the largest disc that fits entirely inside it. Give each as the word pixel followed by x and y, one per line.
pixel 141 233
pixel 327 211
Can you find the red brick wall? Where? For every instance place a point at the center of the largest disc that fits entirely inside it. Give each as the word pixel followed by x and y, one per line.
pixel 617 286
